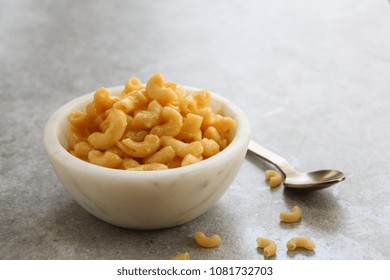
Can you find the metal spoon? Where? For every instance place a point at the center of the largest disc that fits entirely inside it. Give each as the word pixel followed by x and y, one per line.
pixel 293 179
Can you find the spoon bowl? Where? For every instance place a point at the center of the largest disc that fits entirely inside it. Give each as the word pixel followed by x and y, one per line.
pixel 319 179
pixel 315 180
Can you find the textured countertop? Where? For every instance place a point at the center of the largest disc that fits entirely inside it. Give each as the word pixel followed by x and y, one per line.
pixel 312 76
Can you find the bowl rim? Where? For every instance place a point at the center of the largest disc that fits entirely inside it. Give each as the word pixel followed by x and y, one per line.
pixel 55 149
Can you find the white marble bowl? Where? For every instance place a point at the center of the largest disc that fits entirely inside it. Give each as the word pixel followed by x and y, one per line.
pixel 146 199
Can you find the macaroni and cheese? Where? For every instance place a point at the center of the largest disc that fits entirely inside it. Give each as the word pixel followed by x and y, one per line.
pixel 148 127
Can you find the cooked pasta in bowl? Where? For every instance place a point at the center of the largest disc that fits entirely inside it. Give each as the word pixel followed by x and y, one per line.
pixel 147 156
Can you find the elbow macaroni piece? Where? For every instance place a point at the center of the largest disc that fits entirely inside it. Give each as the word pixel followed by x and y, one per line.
pixel 300 242
pixel 147 119
pixel 75 136
pixel 103 100
pixel 157 89
pixel 182 149
pixel 132 84
pixel 195 102
pixel 136 135
pixel 164 156
pixel 294 216
pixel 148 127
pixel 207 242
pixel 210 147
pixel 106 159
pixel 182 256
pixel 126 104
pixel 114 132
pixel 268 245
pixel 173 125
pixel 191 128
pixel 213 134
pixel 78 119
pixel 128 163
pixel 274 178
pixel 222 124
pixel 190 159
pixel 130 102
pixel 82 149
pixel 142 149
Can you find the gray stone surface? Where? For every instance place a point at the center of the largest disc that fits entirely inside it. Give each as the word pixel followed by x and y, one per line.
pixel 313 77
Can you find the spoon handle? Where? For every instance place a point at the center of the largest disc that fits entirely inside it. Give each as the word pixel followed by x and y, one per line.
pixel 271 157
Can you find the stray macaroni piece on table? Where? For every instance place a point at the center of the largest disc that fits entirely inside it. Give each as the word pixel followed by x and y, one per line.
pixel 182 256
pixel 148 127
pixel 294 216
pixel 300 242
pixel 268 245
pixel 274 178
pixel 207 242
